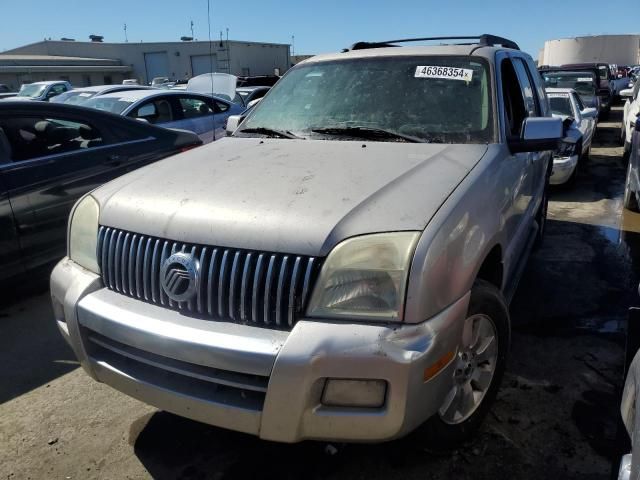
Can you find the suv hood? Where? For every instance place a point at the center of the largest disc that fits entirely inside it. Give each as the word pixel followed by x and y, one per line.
pixel 293 196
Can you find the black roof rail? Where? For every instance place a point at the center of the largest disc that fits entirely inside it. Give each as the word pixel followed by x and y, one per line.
pixel 484 40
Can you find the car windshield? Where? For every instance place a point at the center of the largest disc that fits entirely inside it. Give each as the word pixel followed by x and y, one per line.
pixel 31 90
pixel 581 82
pixel 73 97
pixel 108 104
pixel 442 99
pixel 560 104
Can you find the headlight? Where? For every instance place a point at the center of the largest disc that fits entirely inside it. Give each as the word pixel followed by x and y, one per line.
pixel 365 278
pixel 566 149
pixel 83 234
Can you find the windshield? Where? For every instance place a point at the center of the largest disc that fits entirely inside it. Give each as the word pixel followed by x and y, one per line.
pixel 31 90
pixel 581 82
pixel 73 97
pixel 560 104
pixel 439 98
pixel 108 104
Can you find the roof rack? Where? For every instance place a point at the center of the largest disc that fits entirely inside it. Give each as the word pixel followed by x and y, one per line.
pixel 484 40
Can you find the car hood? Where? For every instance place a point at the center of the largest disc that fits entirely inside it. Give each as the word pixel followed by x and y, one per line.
pixel 292 196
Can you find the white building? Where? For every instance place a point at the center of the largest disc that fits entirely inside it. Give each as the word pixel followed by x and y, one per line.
pixel 618 49
pixel 143 61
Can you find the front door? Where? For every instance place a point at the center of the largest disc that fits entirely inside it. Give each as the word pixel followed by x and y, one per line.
pixel 54 161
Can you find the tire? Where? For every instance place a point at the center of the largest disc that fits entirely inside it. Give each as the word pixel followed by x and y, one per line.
pixel 541 216
pixel 448 429
pixel 630 200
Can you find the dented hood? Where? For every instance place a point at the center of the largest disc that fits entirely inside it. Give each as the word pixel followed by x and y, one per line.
pixel 293 196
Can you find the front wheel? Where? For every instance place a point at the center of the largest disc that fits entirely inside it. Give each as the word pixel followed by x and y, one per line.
pixel 479 366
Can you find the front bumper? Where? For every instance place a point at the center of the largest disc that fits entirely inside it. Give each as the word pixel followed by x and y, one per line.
pixel 624 472
pixel 252 379
pixel 563 167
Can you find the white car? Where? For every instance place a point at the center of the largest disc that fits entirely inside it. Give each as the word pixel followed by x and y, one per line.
pixel 42 91
pixel 630 116
pixel 566 104
pixel 202 114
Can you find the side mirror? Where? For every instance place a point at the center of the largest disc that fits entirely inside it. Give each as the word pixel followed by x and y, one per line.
pixel 233 122
pixel 538 134
pixel 589 113
pixel 253 103
pixel 143 120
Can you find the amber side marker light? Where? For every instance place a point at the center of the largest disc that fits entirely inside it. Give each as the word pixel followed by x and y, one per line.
pixel 434 369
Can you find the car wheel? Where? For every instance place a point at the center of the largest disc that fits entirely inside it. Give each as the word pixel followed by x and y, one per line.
pixel 479 367
pixel 630 200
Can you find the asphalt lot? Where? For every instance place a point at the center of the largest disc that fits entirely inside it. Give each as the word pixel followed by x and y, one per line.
pixel 555 416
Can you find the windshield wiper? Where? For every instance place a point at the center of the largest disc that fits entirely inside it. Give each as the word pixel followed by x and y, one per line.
pixel 367 132
pixel 272 132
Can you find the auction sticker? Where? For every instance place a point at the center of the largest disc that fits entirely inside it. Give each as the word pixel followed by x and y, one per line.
pixel 557 95
pixel 447 73
pixel 584 79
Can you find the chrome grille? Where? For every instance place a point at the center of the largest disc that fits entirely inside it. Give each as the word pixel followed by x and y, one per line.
pixel 242 286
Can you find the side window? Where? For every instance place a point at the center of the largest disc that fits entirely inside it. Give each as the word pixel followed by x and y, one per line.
pixel 194 107
pixel 221 107
pixel 154 111
pixel 32 137
pixel 514 107
pixel 538 84
pixel 531 102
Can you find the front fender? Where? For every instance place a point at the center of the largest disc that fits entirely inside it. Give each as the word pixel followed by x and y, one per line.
pixel 456 241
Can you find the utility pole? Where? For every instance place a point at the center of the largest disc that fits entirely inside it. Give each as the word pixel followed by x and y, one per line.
pixel 293 45
pixel 228 53
pixel 126 39
pixel 192 29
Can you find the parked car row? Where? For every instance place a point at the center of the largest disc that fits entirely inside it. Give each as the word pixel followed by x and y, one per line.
pixel 202 113
pixel 317 300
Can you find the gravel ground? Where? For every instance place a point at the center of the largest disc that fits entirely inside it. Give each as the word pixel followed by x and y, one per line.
pixel 555 417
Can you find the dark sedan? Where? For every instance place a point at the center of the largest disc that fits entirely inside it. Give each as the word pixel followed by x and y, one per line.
pixel 52 154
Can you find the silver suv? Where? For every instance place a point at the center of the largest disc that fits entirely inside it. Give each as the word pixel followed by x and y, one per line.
pixel 340 267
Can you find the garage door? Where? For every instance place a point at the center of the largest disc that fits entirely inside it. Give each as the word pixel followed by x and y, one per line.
pixel 203 64
pixel 156 65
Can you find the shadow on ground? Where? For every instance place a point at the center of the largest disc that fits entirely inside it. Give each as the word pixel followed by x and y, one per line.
pixel 32 351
